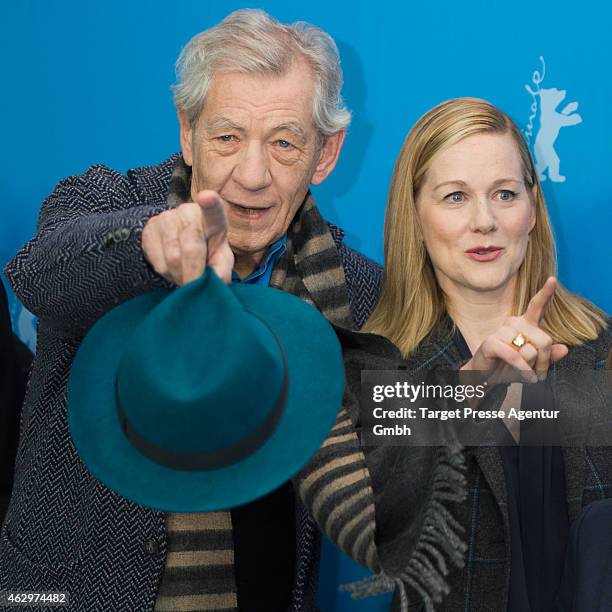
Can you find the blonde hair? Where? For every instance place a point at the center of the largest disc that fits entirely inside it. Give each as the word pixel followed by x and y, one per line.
pixel 411 302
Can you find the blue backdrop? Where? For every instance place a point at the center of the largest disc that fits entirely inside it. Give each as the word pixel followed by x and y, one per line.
pixel 89 83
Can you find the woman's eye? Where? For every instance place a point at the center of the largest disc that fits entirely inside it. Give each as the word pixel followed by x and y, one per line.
pixel 505 195
pixel 456 197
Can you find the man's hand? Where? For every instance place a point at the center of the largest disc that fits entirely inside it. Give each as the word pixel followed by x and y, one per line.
pixel 179 243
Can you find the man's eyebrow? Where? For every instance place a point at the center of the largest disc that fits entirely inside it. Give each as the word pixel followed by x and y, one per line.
pixel 222 123
pixel 292 127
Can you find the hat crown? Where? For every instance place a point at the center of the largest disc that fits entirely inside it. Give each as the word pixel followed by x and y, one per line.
pixel 201 373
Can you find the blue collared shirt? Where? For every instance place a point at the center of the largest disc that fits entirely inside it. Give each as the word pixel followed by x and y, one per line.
pixel 262 275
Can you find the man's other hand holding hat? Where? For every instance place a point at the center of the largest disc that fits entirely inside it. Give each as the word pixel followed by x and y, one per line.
pixel 179 243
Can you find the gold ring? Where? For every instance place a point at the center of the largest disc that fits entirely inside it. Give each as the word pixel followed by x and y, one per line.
pixel 519 341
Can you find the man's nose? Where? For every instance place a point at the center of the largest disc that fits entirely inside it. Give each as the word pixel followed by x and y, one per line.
pixel 252 170
pixel 483 219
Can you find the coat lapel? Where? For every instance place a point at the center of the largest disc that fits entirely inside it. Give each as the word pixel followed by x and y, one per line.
pixel 445 353
pixel 490 462
pixel 488 457
pixel 574 460
pixel 573 397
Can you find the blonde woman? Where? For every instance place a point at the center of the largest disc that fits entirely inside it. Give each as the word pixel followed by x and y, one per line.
pixel 469 285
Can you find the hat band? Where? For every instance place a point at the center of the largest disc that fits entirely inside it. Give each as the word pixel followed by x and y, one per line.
pixel 219 458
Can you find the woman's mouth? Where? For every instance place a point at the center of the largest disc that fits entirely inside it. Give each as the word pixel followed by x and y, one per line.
pixel 484 253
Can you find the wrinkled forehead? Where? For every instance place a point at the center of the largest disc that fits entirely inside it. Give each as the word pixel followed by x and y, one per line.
pixel 243 99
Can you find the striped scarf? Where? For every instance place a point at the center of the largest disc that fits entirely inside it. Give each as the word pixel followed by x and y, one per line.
pixel 390 507
pixel 199 571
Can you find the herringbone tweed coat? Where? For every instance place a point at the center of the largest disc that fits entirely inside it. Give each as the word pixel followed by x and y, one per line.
pixel 64 530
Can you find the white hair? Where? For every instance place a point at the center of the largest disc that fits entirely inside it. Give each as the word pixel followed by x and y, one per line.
pixel 252 42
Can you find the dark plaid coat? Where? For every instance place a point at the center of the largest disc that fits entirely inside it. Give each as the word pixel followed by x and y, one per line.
pixel 482 584
pixel 433 522
pixel 65 531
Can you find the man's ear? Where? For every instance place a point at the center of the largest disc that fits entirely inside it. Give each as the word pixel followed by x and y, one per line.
pixel 186 139
pixel 328 157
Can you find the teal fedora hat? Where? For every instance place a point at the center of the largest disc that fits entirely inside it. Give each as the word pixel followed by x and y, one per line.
pixel 204 397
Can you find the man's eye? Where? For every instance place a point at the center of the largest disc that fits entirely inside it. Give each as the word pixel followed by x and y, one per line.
pixel 284 144
pixel 226 138
pixel 456 197
pixel 505 195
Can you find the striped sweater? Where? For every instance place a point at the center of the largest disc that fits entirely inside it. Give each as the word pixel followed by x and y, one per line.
pixel 198 574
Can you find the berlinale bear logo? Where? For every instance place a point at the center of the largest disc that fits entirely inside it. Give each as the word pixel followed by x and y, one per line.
pixel 551 122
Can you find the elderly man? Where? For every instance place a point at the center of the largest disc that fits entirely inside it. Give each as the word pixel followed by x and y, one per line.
pixel 261 118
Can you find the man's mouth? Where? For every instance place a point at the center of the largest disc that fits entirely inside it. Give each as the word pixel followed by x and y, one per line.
pixel 248 211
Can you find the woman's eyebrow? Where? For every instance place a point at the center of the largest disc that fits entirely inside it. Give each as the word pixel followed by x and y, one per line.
pixel 453 182
pixel 501 181
pixel 495 183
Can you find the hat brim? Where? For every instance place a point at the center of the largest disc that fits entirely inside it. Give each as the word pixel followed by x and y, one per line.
pixel 316 383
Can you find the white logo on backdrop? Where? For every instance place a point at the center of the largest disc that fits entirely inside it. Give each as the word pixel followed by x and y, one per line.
pixel 546 101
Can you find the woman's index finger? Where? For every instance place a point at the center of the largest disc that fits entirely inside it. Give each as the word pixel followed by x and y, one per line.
pixel 539 302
